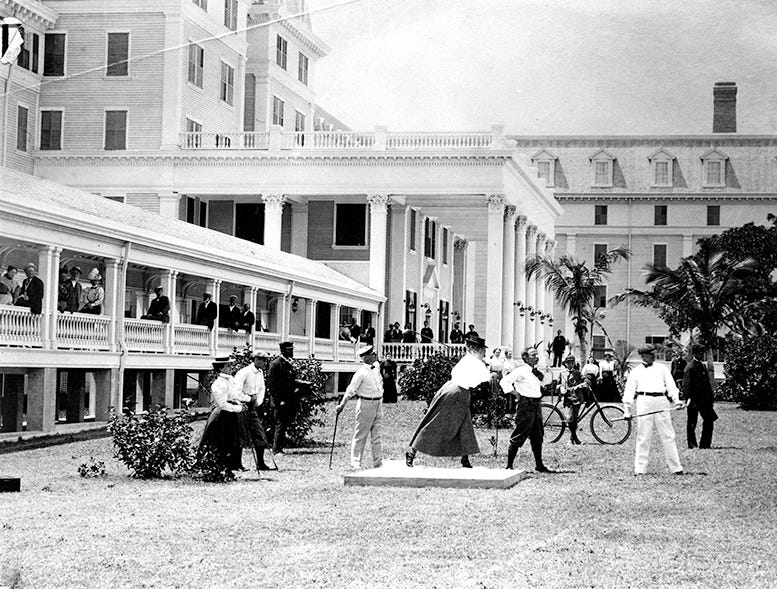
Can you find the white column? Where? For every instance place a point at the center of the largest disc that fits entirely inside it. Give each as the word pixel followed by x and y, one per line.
pixel 48 272
pixel 273 213
pixel 113 305
pixel 569 328
pixel 470 256
pixel 312 325
pixel 531 287
pixel 508 274
pixel 539 299
pixel 168 283
pixel 687 245
pixel 169 204
pixel 334 329
pixel 549 299
pixel 496 207
pixel 519 323
pixel 378 228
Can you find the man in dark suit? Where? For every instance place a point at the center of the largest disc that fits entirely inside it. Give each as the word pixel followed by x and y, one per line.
pixel 282 386
pixel 31 292
pixel 248 319
pixel 427 335
pixel 159 308
pixel 698 390
pixel 208 311
pixel 368 334
pixel 232 317
pixel 457 336
pixel 73 290
pixel 558 346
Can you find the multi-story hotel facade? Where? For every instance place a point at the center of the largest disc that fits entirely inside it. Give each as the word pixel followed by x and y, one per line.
pixel 204 112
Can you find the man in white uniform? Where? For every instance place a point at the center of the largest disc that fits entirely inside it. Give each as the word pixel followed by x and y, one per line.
pixel 367 386
pixel 655 391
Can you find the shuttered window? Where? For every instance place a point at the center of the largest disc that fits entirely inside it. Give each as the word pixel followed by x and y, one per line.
pixel 51 129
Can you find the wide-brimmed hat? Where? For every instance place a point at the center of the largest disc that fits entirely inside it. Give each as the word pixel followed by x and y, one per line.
pixel 286 346
pixel 30 265
pixel 73 269
pixel 364 350
pixel 569 358
pixel 160 287
pixel 647 349
pixel 475 341
pixel 261 355
pixel 94 274
pixel 220 361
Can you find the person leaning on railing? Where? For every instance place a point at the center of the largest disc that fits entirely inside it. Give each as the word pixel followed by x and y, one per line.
pixel 92 297
pixel 9 288
pixel 31 291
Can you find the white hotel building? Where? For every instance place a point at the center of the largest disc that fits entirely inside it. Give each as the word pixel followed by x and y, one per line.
pixel 203 112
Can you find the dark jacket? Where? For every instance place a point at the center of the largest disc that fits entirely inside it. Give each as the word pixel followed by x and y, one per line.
pixel 231 317
pixel 159 309
pixel 207 313
pixel 33 288
pixel 696 384
pixel 427 335
pixel 457 336
pixel 281 385
pixel 247 321
pixel 72 296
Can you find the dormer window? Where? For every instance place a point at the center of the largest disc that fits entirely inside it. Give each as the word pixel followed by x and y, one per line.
pixel 661 164
pixel 601 169
pixel 545 163
pixel 713 167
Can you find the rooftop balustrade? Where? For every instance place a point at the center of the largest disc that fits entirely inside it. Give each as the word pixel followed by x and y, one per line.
pixel 379 140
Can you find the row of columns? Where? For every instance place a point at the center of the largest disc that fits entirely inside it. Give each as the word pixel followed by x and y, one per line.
pixel 514 304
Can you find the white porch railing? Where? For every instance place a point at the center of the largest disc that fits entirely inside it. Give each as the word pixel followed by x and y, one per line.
pixel 191 339
pixel 249 140
pixel 141 335
pixel 301 345
pixel 438 140
pixel 346 351
pixel 325 349
pixel 229 340
pixel 19 327
pixel 81 331
pixel 267 342
pixel 412 352
pixel 277 139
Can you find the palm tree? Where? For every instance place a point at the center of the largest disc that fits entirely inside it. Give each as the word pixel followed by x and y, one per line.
pixel 575 286
pixel 702 295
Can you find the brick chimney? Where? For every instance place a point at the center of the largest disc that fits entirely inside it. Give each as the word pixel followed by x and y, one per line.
pixel 724 117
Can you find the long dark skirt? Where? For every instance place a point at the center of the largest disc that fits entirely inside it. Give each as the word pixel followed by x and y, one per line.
pixel 608 389
pixel 446 429
pixel 226 433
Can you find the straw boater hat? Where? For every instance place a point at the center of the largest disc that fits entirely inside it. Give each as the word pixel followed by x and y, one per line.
pixel 364 350
pixel 219 362
pixel 647 349
pixel 261 355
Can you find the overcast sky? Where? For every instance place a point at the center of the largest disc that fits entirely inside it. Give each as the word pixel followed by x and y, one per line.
pixel 562 67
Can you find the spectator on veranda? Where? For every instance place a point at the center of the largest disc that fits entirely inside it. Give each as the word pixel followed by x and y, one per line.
pixel 64 276
pixel 9 288
pixel 248 319
pixel 31 291
pixel 92 296
pixel 73 290
pixel 408 336
pixel 159 309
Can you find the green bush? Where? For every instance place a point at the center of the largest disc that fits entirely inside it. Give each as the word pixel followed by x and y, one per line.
pixel 151 444
pixel 422 380
pixel 751 371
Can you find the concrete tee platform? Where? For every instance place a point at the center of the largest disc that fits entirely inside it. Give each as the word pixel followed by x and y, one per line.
pixel 395 473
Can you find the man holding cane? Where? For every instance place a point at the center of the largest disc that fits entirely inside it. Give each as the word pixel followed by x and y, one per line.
pixel 656 392
pixel 367 386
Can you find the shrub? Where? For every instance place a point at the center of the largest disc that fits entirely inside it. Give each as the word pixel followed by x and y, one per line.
pixel 751 371
pixel 209 467
pixel 422 380
pixel 92 468
pixel 152 443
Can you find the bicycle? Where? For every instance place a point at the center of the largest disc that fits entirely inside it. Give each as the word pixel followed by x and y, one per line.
pixel 607 423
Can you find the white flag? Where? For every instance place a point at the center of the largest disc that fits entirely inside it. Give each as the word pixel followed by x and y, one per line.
pixel 15 42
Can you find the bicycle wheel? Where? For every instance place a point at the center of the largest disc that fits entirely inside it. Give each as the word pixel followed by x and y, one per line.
pixel 554 423
pixel 608 425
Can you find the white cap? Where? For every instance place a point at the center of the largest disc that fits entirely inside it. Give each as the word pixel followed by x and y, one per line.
pixel 363 351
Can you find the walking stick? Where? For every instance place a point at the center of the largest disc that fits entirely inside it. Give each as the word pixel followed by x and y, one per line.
pixel 334 435
pixel 651 412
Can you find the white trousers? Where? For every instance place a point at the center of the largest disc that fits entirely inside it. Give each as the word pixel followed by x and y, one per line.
pixel 663 424
pixel 369 415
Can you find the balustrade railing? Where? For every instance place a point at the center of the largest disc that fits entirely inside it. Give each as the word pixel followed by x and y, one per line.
pixel 19 327
pixel 301 345
pixel 229 340
pixel 412 352
pixel 346 351
pixel 267 342
pixel 325 349
pixel 141 335
pixel 438 140
pixel 81 331
pixel 191 339
pixel 275 140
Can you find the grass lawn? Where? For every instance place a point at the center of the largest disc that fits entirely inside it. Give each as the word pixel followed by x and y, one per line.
pixel 594 525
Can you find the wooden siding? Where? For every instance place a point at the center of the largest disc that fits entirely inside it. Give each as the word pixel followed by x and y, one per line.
pixel 20 95
pixel 85 97
pixel 321 219
pixel 203 104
